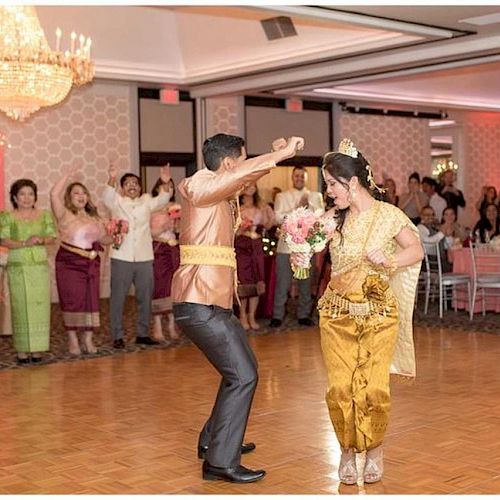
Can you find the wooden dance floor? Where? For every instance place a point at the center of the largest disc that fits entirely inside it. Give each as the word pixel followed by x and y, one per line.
pixel 128 423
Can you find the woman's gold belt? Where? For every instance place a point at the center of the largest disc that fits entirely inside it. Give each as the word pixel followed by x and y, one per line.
pixel 171 242
pixel 334 304
pixel 88 254
pixel 207 255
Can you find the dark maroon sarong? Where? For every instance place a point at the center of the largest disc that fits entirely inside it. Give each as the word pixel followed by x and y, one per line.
pixel 77 280
pixel 250 262
pixel 167 260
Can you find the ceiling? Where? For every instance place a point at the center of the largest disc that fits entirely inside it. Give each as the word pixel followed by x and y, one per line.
pixel 418 55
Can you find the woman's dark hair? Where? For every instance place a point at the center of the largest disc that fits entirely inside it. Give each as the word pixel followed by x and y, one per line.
pixel 90 208
pixel 220 146
pixel 255 198
pixel 485 225
pixel 156 188
pixel 342 168
pixel 454 213
pixel 17 186
pixel 414 175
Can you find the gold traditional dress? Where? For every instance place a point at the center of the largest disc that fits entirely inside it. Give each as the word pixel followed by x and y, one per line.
pixel 366 325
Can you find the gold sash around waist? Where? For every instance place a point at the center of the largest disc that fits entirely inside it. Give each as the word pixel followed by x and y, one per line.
pixel 207 255
pixel 88 254
pixel 334 305
pixel 170 242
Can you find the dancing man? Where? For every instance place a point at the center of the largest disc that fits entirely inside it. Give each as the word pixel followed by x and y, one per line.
pixel 203 289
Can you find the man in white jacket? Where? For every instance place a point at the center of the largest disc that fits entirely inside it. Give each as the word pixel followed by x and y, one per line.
pixel 298 196
pixel 132 262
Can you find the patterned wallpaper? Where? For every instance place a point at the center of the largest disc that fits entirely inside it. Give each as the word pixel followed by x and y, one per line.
pixel 482 156
pixel 90 126
pixel 225 115
pixel 394 146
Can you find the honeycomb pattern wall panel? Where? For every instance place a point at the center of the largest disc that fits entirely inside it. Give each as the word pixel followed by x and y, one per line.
pixel 91 126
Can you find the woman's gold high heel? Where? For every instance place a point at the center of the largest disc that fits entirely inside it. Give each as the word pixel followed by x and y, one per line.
pixel 374 465
pixel 348 474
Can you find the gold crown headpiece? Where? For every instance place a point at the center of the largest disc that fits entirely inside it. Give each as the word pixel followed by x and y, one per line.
pixel 347 147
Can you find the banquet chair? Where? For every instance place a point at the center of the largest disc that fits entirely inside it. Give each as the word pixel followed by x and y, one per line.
pixel 485 263
pixel 443 282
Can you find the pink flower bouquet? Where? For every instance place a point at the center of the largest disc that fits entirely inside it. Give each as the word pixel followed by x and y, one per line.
pixel 304 233
pixel 117 229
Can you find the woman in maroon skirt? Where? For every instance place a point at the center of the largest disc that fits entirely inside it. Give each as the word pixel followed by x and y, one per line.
pixel 255 216
pixel 166 261
pixel 77 261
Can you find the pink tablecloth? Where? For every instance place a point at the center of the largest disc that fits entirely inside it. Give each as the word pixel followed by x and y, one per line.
pixel 462 263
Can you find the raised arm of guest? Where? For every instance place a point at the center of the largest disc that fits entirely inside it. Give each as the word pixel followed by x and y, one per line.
pixel 225 181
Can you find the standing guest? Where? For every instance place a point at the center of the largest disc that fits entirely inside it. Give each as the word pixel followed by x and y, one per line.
pixel 298 196
pixel 164 228
pixel 203 288
pixel 488 195
pixel 412 202
pixel 25 232
pixel 436 201
pixel 132 262
pixel 77 261
pixel 366 311
pixel 256 217
pixel 453 196
pixel 390 192
pixel 488 226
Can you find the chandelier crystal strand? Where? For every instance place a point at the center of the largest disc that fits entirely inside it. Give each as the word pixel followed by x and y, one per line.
pixel 33 76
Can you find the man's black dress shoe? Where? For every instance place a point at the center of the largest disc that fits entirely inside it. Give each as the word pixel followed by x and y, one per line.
pixel 245 448
pixel 275 323
pixel 306 322
pixel 36 359
pixel 238 474
pixel 118 344
pixel 146 340
pixel 23 361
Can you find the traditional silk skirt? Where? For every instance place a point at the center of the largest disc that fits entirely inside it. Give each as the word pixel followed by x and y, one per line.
pixel 77 279
pixel 357 351
pixel 250 265
pixel 165 264
pixel 29 287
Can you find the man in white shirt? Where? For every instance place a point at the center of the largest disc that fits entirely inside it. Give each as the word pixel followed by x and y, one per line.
pixel 436 201
pixel 133 261
pixel 285 203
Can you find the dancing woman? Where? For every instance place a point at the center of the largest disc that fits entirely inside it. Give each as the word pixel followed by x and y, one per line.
pixel 26 232
pixel 164 229
pixel 255 216
pixel 77 261
pixel 366 310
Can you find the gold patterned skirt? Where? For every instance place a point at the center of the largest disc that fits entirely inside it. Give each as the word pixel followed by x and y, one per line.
pixel 358 344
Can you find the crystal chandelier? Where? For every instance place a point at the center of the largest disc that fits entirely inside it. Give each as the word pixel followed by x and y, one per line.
pixel 33 76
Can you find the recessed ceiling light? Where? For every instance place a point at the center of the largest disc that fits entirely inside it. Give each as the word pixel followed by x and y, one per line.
pixel 482 20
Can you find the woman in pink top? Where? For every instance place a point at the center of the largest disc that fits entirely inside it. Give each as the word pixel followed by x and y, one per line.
pixel 77 261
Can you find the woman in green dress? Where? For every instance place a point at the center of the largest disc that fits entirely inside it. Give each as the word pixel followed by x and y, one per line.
pixel 25 232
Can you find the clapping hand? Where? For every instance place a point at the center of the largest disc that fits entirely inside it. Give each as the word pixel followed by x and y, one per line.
pixel 112 171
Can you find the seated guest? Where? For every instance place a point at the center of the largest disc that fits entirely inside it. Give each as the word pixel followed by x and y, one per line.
pixel 430 234
pixel 488 226
pixel 77 261
pixel 414 200
pixel 454 233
